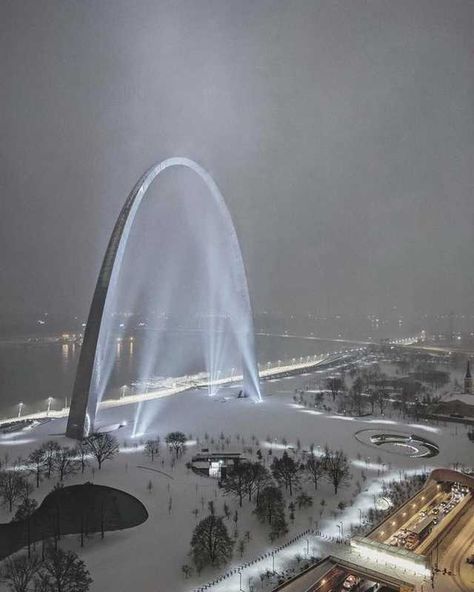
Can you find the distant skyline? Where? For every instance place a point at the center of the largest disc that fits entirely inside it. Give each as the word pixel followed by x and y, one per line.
pixel 341 135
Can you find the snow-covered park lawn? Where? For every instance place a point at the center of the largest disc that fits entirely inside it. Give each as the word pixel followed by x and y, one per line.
pixel 149 558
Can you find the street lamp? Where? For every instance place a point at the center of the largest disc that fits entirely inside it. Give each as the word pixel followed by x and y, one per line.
pixel 20 408
pixel 123 391
pixel 360 515
pixel 48 409
pixel 342 528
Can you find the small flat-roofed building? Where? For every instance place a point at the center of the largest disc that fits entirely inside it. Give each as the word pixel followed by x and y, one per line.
pixel 216 464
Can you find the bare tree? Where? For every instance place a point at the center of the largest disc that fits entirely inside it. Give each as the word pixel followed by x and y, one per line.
pixel 372 400
pixel 13 486
pixel 102 447
pixel 66 462
pixel 63 571
pixel 83 453
pixel 19 572
pixel 285 470
pixel 256 479
pixel 36 459
pixel 176 442
pixel 49 451
pixel 336 467
pixel 356 394
pixel 211 543
pixel 315 468
pixel 335 384
pixel 382 401
pixel 270 507
pixel 236 482
pixel 23 513
pixel 152 448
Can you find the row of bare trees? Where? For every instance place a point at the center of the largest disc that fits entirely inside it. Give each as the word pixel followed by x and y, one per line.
pixel 51 458
pixel 175 441
pixel 48 460
pixel 59 571
pixel 249 478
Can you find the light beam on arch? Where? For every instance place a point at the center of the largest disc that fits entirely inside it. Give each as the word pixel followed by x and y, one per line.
pixel 84 397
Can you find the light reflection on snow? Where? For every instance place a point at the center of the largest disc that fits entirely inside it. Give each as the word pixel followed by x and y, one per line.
pixel 277 445
pixel 132 449
pixel 368 465
pixel 384 421
pixel 424 427
pixel 17 442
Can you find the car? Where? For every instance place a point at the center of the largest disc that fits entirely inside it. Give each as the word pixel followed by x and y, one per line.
pixel 350 582
pixel 403 533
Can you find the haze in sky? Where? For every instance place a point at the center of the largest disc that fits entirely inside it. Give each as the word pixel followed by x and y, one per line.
pixel 340 133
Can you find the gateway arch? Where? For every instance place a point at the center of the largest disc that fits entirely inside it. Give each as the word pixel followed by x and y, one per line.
pixel 85 393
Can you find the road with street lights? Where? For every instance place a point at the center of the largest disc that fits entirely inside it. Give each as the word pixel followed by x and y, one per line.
pixel 452 552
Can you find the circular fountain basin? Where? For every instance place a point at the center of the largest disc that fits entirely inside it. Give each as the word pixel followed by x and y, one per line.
pixel 398 442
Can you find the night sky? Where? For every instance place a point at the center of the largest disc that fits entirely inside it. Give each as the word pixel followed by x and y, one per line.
pixel 340 133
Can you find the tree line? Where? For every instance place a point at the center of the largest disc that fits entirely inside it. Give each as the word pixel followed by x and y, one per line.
pixel 58 571
pixel 211 543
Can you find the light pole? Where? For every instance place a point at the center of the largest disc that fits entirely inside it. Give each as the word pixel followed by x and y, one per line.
pixel 240 580
pixel 48 409
pixel 123 391
pixel 342 528
pixel 20 408
pixel 307 547
pixel 273 561
pixel 339 528
pixel 360 515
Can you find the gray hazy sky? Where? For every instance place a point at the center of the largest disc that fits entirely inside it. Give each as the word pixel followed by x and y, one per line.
pixel 340 132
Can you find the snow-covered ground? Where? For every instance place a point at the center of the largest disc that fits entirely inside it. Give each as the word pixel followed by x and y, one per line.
pixel 149 558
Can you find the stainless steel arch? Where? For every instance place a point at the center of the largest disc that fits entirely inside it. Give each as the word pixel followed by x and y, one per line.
pixel 84 398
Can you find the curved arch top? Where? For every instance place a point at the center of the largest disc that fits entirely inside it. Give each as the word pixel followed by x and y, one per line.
pixel 84 398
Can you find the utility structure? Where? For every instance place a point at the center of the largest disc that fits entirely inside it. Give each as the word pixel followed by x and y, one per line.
pixel 84 400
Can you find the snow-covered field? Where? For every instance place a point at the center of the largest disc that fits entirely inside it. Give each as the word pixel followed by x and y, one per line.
pixel 149 558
